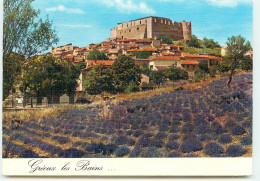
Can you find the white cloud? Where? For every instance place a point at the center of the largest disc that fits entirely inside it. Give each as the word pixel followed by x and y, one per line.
pixel 62 8
pixel 228 3
pixel 220 3
pixel 129 6
pixel 76 25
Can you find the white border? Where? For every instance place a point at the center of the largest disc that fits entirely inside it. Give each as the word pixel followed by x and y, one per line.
pixel 131 167
pixel 256 147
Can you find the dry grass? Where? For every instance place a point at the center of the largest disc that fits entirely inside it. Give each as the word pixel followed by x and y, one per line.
pixel 42 113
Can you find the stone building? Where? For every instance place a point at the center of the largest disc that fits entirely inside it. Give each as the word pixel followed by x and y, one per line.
pixel 152 27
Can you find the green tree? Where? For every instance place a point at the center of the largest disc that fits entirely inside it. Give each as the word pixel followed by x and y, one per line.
pixel 237 46
pixel 146 70
pixel 157 78
pixel 81 65
pixel 99 79
pixel 194 42
pixel 203 65
pixel 210 43
pixel 49 77
pixel 247 63
pixel 142 54
pixel 24 33
pixel 125 70
pixel 97 55
pixel 175 74
pixel 224 65
pixel 165 40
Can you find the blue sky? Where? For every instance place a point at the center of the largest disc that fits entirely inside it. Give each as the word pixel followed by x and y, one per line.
pixel 82 22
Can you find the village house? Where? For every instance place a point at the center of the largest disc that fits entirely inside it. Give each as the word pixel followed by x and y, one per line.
pixel 114 53
pixel 164 62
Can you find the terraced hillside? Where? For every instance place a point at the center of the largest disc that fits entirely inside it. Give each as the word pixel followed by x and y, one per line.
pixel 213 121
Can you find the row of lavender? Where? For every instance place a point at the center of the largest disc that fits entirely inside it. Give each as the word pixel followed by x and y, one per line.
pixel 211 121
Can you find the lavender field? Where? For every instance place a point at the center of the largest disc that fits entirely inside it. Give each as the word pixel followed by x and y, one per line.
pixel 213 121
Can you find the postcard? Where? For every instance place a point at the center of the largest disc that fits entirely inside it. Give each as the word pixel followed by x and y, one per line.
pixel 127 88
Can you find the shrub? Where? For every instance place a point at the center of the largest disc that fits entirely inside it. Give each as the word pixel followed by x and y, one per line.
pixel 173 129
pixel 149 153
pixel 246 140
pixel 225 138
pixel 121 140
pixel 213 149
pixel 217 128
pixel 157 143
pixel 202 129
pixel 73 153
pixel 160 135
pixel 131 142
pixel 199 75
pixel 173 155
pixel 204 138
pixel 235 151
pixel 109 149
pixel 143 142
pixel 148 135
pixel 191 146
pixel 176 74
pixel 230 124
pixel 203 65
pixel 247 63
pixel 61 140
pixel 173 137
pixel 247 124
pixel 122 151
pixel 29 154
pixel 238 130
pixel 172 145
pixel 135 152
pixel 137 133
pixel 187 128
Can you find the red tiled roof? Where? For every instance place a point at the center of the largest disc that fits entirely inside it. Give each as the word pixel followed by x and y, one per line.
pixel 149 49
pixel 78 59
pixel 126 40
pixel 214 58
pixel 69 57
pixel 250 52
pixel 144 41
pixel 135 50
pixel 167 58
pixel 164 44
pixel 189 62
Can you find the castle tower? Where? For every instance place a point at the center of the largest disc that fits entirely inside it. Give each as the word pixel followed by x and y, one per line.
pixel 186 30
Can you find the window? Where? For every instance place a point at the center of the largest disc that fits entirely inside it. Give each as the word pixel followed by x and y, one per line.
pixel 137 28
pixel 161 21
pixel 130 30
pixel 151 67
pixel 140 22
pixel 155 20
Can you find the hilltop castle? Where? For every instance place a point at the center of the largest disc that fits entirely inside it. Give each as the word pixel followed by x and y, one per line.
pixel 152 27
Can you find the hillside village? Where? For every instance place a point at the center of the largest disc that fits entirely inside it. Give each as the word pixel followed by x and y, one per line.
pixel 162 56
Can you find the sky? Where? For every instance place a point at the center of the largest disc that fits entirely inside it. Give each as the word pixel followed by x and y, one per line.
pixel 82 22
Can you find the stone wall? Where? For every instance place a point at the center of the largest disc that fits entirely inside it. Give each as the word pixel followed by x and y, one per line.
pixel 134 32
